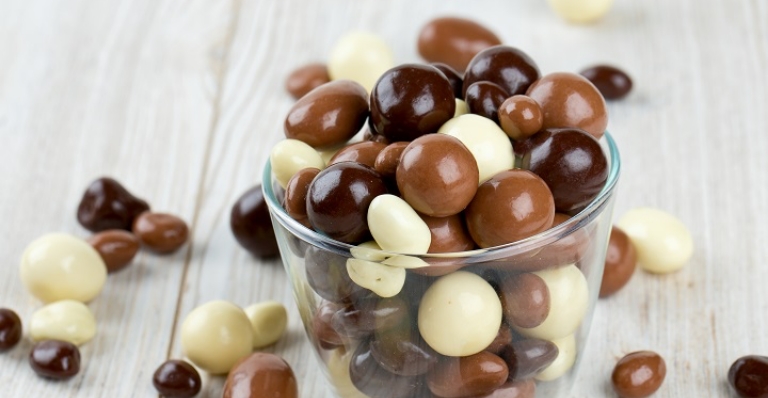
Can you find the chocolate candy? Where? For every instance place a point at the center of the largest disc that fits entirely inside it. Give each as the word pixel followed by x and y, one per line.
pixel 453 77
pixel 520 117
pixel 612 82
pixel 570 100
pixel 338 200
pixel 485 140
pixel 361 57
pixel 59 266
pixel 65 320
pixel 468 376
pixel 662 242
pixel 437 175
pixel 10 329
pixel 161 232
pixel 619 263
pixel 375 382
pixel 368 315
pixel 454 41
pixel 326 336
pixel 288 157
pixel 580 11
pixel 411 100
pixel 527 358
pixel 327 275
pixel 389 158
pixel 306 78
pixel 511 69
pixel 176 378
pixel 116 247
pixel 525 300
pixel 106 204
pixel 639 374
pixel 448 234
pixel 572 164
pixel 749 376
pixel 215 335
pixel 502 340
pixel 295 202
pixel 514 389
pixel 53 359
pixel 329 115
pixel 511 206
pixel 261 375
pixel 361 152
pixel 484 98
pixel 566 357
pixel 268 320
pixel 251 224
pixel 402 351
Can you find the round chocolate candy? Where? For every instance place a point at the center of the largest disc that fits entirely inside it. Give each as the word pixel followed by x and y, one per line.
pixel 520 117
pixel 570 100
pixel 454 41
pixel 338 200
pixel 511 206
pixel 662 242
pixel 261 375
pixel 106 204
pixel 327 275
pixel 453 77
pixel 620 263
pixel 749 376
pixel 329 115
pixel 612 82
pixel 176 378
pixel 161 232
pixel 54 359
pixel 361 57
pixel 484 98
pixel 411 100
pixel 389 158
pixel 215 335
pixel 375 382
pixel 449 234
pixel 361 152
pixel 295 202
pixel 511 69
pixel 572 164
pixel 306 78
pixel 437 175
pixel 639 374
pixel 566 358
pixel 525 300
pixel 467 376
pixel 10 329
pixel 116 247
pixel 526 358
pixel 251 224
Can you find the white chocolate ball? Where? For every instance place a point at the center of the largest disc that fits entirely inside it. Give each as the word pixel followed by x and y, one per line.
pixel 215 335
pixel 461 108
pixel 566 357
pixel 66 320
pixel 581 11
pixel 381 279
pixel 62 267
pixel 289 156
pixel 662 242
pixel 396 227
pixel 268 320
pixel 362 57
pixel 460 314
pixel 485 140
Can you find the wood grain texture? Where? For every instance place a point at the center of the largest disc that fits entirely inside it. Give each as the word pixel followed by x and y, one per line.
pixel 182 100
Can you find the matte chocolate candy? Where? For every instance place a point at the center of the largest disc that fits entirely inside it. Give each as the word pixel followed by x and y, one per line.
pixel 306 78
pixel 525 300
pixel 176 378
pixel 571 162
pixel 106 204
pixel 453 77
pixel 612 82
pixel 620 262
pixel 484 99
pixel 570 100
pixel 402 351
pixel 639 374
pixel 295 202
pixel 261 375
pixel 116 247
pixel 520 117
pixel 161 232
pixel 511 206
pixel 411 100
pixel 389 158
pixel 365 316
pixel 449 234
pixel 468 376
pixel 513 70
pixel 526 358
pixel 375 382
pixel 327 275
pixel 454 41
pixel 338 200
pixel 329 115
pixel 251 224
pixel 749 376
pixel 10 329
pixel 437 175
pixel 54 359
pixel 361 152
pixel 513 389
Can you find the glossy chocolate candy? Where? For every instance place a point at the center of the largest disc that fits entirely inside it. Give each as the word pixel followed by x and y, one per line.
pixel 639 374
pixel 295 201
pixel 612 82
pixel 454 41
pixel 449 234
pixel 484 98
pixel 116 247
pixel 620 262
pixel 176 378
pixel 511 69
pixel 454 78
pixel 411 100
pixel 361 152
pixel 525 300
pixel 322 331
pixel 749 376
pixel 10 329
pixel 376 382
pixel 54 359
pixel 106 204
pixel 571 162
pixel 306 78
pixel 251 224
pixel 161 232
pixel 327 275
pixel 468 376
pixel 526 358
pixel 261 375
pixel 520 117
pixel 389 158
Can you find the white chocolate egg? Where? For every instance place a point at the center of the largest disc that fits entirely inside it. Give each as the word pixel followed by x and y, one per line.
pixel 485 140
pixel 268 320
pixel 66 320
pixel 662 242
pixel 360 56
pixel 289 156
pixel 215 335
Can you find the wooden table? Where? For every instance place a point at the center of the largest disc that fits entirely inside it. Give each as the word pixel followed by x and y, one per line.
pixel 181 100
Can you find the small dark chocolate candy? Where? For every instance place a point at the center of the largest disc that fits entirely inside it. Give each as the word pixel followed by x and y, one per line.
pixel 10 329
pixel 453 77
pixel 55 359
pixel 251 224
pixel 484 98
pixel 176 378
pixel 369 314
pixel 612 82
pixel 513 70
pixel 106 204
pixel 527 358
pixel 749 376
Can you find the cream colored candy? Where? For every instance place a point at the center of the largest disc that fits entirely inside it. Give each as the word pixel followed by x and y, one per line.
pixel 370 251
pixel 338 372
pixel 566 357
pixel 396 227
pixel 362 57
pixel 486 140
pixel 581 11
pixel 568 302
pixel 289 156
pixel 407 262
pixel 460 314
pixel 662 242
pixel 60 267
pixel 66 320
pixel 381 279
pixel 461 108
pixel 268 320
pixel 215 335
